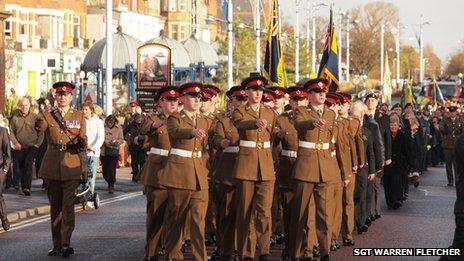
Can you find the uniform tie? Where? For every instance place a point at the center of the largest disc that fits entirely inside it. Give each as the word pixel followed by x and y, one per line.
pixel 320 112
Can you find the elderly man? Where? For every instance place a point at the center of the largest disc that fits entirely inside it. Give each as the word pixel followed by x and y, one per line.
pixel 26 140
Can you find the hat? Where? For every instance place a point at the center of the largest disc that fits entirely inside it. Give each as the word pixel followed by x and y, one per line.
pixel 214 90
pixel 371 95
pixel 269 95
pixel 408 105
pixel 330 100
pixel 279 91
pixel 254 82
pixel 167 91
pixel 208 93
pixel 346 97
pixel 191 88
pixel 335 96
pixel 236 91
pixel 453 108
pixel 396 105
pixel 297 91
pixel 316 85
pixel 63 87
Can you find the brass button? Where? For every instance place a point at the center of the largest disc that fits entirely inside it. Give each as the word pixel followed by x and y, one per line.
pixel 61 132
pixel 259 130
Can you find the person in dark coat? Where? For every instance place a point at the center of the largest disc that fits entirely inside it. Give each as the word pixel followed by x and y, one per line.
pixel 458 241
pixel 436 140
pixel 393 173
pixel 5 161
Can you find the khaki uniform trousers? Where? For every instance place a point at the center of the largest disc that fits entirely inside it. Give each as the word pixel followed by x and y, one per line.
pixel 157 200
pixel 227 211
pixel 277 211
pixel 254 202
pixel 61 195
pixel 183 203
pixel 337 209
pixel 323 197
pixel 286 198
pixel 348 210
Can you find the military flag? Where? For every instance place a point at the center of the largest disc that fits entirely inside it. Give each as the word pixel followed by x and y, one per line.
pixel 387 84
pixel 407 96
pixel 274 66
pixel 328 68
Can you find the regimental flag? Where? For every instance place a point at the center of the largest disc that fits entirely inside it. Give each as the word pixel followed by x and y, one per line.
pixel 431 93
pixel 274 66
pixel 328 68
pixel 387 84
pixel 407 96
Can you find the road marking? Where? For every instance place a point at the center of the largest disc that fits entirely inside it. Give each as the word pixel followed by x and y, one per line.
pixel 78 208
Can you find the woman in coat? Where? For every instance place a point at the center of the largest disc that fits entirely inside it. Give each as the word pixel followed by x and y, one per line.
pixel 110 151
pixel 393 173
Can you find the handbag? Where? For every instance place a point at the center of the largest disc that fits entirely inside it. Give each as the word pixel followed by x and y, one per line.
pixel 112 152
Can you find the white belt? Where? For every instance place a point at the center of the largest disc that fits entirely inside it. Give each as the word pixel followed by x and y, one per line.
pixel 158 151
pixel 231 149
pixel 289 153
pixel 186 153
pixel 254 144
pixel 313 145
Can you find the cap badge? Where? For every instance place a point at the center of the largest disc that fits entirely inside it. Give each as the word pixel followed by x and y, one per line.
pixel 320 84
pixel 197 89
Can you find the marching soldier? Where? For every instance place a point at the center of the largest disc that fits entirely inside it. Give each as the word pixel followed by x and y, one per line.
pixel 226 141
pixel 333 101
pixel 65 130
pixel 315 171
pixel 288 138
pixel 186 176
pixel 357 156
pixel 254 171
pixel 156 130
pixel 451 127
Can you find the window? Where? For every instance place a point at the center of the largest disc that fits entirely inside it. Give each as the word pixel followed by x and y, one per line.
pixel 172 5
pixel 77 27
pixel 134 5
pixel 182 5
pixel 8 28
pixel 183 32
pixel 173 32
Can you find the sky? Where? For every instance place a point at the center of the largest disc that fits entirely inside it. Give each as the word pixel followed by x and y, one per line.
pixel 445 32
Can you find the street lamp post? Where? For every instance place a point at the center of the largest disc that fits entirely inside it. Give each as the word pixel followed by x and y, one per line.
pixel 297 42
pixel 313 47
pixel 230 43
pixel 348 23
pixel 308 25
pixel 382 34
pixel 399 27
pixel 257 34
pixel 340 45
pixel 421 48
pixel 109 58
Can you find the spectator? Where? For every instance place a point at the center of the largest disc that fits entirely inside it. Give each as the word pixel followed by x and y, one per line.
pixel 138 144
pixel 95 138
pixel 436 151
pixel 26 140
pixel 394 173
pixel 4 164
pixel 110 151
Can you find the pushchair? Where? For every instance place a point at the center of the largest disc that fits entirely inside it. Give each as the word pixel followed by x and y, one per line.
pixel 84 195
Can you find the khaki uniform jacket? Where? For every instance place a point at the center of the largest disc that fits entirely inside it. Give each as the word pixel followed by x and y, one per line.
pixel 289 142
pixel 451 130
pixel 157 138
pixel 182 172
pixel 254 164
pixel 344 148
pixel 358 155
pixel 56 164
pixel 224 170
pixel 317 165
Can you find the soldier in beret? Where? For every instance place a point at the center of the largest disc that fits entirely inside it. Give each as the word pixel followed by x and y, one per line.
pixel 315 171
pixel 288 138
pixel 155 127
pixel 254 171
pixel 185 176
pixel 451 127
pixel 65 130
pixel 226 141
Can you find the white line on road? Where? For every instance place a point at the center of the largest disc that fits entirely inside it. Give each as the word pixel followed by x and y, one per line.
pixel 36 220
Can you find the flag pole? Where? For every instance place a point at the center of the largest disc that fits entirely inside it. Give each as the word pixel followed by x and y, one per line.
pixel 257 34
pixel 230 43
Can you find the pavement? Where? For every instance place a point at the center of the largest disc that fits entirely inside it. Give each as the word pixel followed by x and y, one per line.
pixel 20 207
